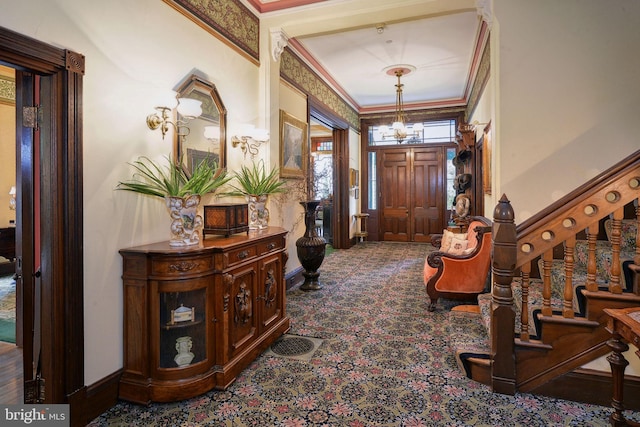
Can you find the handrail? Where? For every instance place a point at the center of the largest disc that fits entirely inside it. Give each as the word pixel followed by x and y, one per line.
pixel 601 196
pixel 514 248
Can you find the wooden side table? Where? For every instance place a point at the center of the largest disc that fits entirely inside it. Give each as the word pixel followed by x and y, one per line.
pixel 624 324
pixel 362 232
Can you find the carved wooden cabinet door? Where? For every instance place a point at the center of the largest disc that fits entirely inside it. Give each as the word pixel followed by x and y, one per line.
pixel 241 316
pixel 270 297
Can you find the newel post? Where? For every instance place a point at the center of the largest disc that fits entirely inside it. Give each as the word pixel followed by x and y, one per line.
pixel 503 263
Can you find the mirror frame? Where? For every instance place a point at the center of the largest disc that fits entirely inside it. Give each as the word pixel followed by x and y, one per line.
pixel 206 92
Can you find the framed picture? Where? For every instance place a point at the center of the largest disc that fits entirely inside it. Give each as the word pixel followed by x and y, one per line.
pixel 293 146
pixel 195 157
pixel 7 90
pixel 353 178
pixel 486 160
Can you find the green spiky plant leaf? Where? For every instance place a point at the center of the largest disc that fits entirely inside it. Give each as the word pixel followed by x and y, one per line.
pixel 255 181
pixel 152 179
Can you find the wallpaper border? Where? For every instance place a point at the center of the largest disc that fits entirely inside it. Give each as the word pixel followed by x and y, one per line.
pixel 480 81
pixel 302 77
pixel 228 20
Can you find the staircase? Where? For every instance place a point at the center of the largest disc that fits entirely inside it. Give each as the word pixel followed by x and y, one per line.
pixel 552 277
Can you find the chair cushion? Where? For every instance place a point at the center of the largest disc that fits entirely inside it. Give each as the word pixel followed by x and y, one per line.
pixel 458 246
pixel 472 236
pixel 447 237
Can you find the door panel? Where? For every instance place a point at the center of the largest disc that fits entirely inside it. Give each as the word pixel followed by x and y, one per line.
pixel 427 194
pixel 395 201
pixel 412 194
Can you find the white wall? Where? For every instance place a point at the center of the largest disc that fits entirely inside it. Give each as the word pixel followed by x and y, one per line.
pixel 482 114
pixel 566 94
pixel 134 51
pixel 7 156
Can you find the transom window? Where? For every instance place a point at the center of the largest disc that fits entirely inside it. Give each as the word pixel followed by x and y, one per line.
pixel 437 131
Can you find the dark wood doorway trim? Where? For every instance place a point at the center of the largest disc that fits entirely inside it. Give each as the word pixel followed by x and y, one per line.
pixel 61 229
pixel 340 216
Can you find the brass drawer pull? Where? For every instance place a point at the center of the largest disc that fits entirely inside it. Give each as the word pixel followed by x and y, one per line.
pixel 183 266
pixel 271 246
pixel 243 254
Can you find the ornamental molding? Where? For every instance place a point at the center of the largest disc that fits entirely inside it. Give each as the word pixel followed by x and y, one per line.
pixel 484 10
pixel 279 40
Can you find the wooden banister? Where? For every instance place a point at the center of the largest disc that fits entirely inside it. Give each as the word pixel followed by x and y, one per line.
pixel 602 195
pixel 561 224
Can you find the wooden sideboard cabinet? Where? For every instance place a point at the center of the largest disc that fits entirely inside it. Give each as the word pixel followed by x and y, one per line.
pixel 195 317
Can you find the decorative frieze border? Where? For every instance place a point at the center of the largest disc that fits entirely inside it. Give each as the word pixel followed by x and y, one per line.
pixel 228 20
pixel 7 90
pixel 480 81
pixel 301 76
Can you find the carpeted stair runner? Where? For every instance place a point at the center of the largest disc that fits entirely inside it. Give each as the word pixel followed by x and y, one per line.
pixel 467 335
pixel 469 325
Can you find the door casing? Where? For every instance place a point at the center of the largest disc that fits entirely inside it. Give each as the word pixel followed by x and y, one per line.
pixel 61 227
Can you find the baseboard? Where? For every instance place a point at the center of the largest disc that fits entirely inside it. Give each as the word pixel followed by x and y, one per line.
pixel 589 386
pixel 93 400
pixel 294 278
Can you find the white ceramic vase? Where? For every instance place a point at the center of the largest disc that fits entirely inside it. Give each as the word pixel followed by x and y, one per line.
pixel 258 212
pixel 185 221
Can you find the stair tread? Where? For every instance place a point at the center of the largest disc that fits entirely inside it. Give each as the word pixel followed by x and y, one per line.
pixel 467 336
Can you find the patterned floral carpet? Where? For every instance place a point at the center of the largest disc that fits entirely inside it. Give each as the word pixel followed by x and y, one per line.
pixel 384 361
pixel 7 298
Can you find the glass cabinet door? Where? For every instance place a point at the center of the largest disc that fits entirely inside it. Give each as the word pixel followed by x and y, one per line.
pixel 183 331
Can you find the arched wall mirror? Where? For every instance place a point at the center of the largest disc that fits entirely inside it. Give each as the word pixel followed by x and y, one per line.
pixel 206 139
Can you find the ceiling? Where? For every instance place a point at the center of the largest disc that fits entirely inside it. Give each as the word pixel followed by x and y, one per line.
pixel 442 49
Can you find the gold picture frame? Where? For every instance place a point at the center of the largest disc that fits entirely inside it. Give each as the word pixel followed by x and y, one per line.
pixel 293 146
pixel 486 160
pixel 7 90
pixel 353 178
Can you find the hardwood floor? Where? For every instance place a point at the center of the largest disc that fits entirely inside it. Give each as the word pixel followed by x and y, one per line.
pixel 11 390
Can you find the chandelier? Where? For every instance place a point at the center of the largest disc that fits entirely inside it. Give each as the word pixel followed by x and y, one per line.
pixel 400 129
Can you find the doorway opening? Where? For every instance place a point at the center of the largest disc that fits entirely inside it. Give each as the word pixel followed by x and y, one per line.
pixel 321 166
pixel 11 387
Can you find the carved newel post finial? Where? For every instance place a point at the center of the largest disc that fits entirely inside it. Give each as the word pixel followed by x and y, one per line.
pixel 504 258
pixel 504 250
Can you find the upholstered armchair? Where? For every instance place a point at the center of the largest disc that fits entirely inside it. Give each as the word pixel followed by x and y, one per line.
pixel 460 268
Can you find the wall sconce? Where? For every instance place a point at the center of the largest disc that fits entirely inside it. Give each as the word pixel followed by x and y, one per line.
pixel 187 108
pixel 12 200
pixel 250 139
pixel 212 133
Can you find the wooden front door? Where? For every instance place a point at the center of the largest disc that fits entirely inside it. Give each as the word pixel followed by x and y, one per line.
pixel 428 196
pixel 412 194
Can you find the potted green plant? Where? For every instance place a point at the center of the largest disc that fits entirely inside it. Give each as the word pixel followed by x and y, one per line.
pixel 254 183
pixel 181 192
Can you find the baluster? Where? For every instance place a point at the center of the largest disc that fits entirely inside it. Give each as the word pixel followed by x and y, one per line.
pixel 567 302
pixel 592 236
pixel 616 224
pixel 524 316
pixel 547 262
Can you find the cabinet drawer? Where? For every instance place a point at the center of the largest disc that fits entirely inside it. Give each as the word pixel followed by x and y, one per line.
pixel 270 245
pixel 181 266
pixel 236 256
